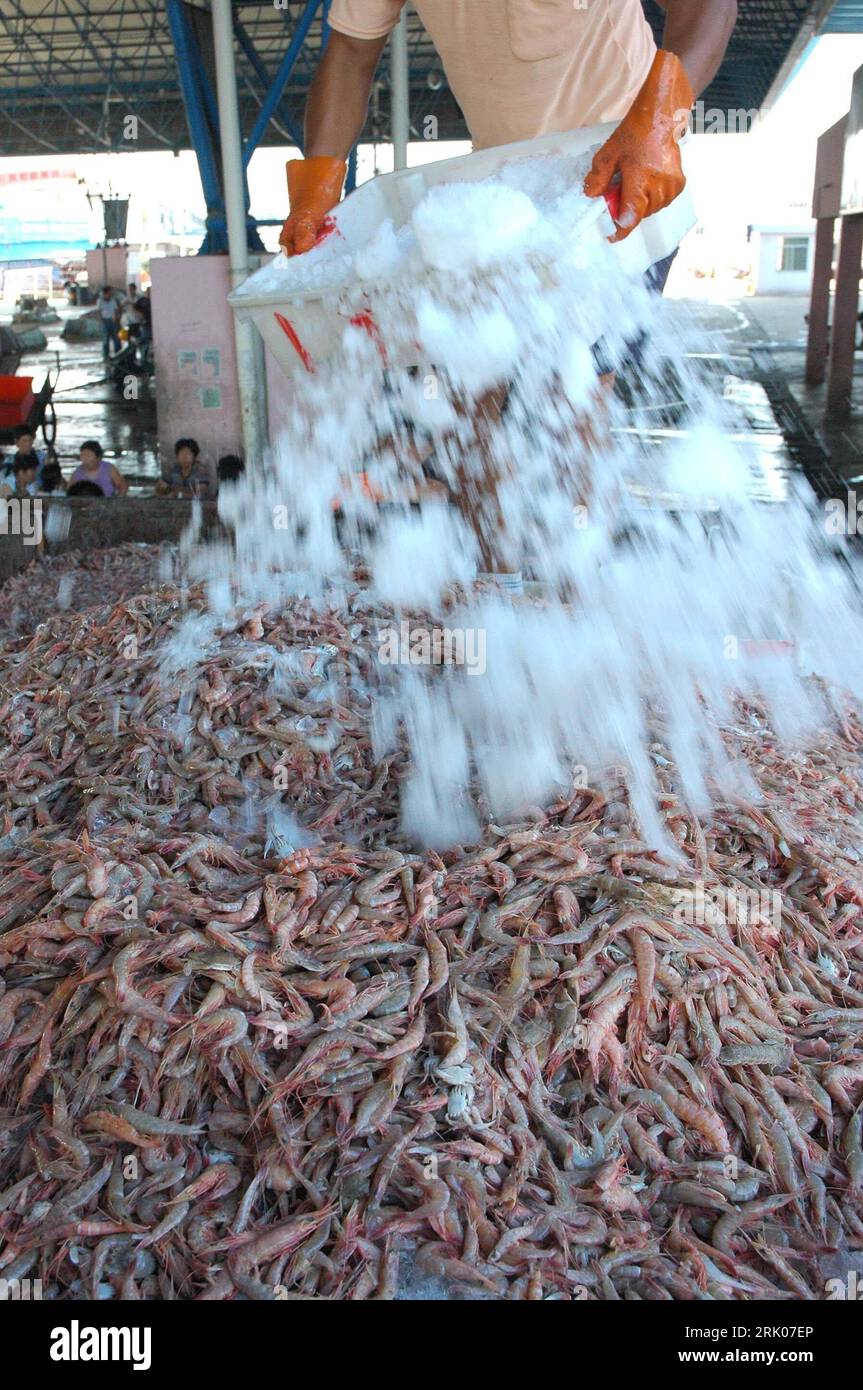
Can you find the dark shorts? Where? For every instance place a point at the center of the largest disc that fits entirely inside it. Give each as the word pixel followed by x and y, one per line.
pixel 655 278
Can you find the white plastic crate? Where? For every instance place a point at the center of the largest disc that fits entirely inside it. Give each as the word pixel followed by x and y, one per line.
pixel 303 326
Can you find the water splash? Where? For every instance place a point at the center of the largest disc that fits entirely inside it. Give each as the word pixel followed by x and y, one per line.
pixel 664 592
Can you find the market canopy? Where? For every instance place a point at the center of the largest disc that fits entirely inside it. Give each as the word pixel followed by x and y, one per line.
pixel 72 72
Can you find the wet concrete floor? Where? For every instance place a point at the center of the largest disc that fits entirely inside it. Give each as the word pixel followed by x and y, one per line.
pixel 89 407
pixel 751 350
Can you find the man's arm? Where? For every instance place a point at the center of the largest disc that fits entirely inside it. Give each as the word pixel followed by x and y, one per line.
pixel 699 35
pixel 335 114
pixel 339 95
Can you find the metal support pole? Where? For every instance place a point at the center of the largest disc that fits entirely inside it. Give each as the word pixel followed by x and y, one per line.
pixel 399 92
pixel 844 336
pixel 819 304
pixel 250 368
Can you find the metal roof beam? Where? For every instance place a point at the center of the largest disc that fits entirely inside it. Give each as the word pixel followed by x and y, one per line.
pixel 819 11
pixel 283 117
pixel 274 95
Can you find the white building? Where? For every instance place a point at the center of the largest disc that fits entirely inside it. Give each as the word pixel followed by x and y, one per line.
pixel 782 257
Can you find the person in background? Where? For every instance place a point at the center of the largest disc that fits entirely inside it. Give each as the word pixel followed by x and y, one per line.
pixel 188 477
pixel 230 469
pixel 84 488
pixel 109 314
pixel 95 468
pixel 52 479
pixel 145 327
pixel 23 482
pixel 130 312
pixel 24 448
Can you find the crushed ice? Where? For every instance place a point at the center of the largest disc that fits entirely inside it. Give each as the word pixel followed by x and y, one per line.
pixel 650 615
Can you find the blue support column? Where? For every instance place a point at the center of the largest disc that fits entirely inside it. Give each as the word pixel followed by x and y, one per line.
pixel 203 118
pixel 202 112
pixel 190 72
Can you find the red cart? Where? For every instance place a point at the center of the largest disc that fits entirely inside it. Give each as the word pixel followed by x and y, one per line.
pixel 21 405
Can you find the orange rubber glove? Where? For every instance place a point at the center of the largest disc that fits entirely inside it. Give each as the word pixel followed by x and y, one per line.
pixel 314 187
pixel 645 150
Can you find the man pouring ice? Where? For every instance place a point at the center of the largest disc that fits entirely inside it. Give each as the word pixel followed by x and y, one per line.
pixel 518 69
pixel 521 69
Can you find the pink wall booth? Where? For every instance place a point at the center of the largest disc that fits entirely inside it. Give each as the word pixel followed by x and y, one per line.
pixel 123 267
pixel 196 370
pixel 196 367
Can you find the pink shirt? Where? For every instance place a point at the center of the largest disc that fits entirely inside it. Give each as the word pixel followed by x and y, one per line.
pixel 521 68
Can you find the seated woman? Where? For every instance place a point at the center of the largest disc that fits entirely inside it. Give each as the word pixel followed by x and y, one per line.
pixel 94 468
pixel 188 477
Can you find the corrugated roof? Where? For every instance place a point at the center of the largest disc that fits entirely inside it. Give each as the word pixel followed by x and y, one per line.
pixel 846 17
pixel 71 70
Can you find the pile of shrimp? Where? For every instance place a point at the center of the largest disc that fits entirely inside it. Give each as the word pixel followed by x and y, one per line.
pixel 76 580
pixel 239 1060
